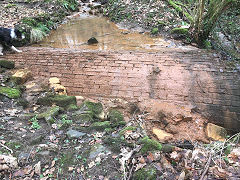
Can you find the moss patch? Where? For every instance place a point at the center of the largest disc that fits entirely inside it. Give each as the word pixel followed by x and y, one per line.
pixel 115 116
pixel 96 108
pixel 60 100
pixel 149 173
pixel 11 93
pixel 182 31
pixel 149 145
pixel 7 64
pixel 100 125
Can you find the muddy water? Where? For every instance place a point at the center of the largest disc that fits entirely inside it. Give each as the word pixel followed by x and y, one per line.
pixel 76 33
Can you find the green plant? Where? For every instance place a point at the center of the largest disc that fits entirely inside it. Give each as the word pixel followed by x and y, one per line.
pixel 35 124
pixel 69 4
pixel 154 31
pixel 37 35
pixel 10 5
pixel 202 16
pixel 65 122
pixel 11 93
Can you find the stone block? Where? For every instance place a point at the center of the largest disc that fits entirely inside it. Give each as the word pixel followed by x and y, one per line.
pixel 216 132
pixel 162 135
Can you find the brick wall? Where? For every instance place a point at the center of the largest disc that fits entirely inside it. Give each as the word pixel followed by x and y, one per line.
pixel 187 77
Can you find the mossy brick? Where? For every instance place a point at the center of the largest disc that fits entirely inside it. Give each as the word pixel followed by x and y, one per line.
pixel 11 93
pixel 72 107
pixel 59 100
pixel 149 145
pixel 49 114
pixel 96 108
pixel 82 118
pixel 100 125
pixel 7 64
pixel 115 116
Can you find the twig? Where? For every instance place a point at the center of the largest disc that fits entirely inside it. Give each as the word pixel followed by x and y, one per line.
pixel 206 167
pixel 6 148
pixel 130 173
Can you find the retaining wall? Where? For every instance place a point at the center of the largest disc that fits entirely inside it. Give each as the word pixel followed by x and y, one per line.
pixel 195 77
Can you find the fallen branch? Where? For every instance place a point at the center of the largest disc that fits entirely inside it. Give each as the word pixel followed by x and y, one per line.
pixel 206 167
pixel 6 148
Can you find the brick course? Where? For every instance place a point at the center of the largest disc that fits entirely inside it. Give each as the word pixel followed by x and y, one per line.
pixel 195 77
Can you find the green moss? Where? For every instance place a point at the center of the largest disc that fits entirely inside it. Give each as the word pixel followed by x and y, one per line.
pixel 10 5
pixel 145 174
pixel 182 31
pixel 7 64
pixel 149 145
pixel 60 100
pixel 128 128
pixel 72 107
pixel 11 93
pixel 88 112
pixel 154 31
pixel 115 116
pixel 96 108
pixel 108 130
pixel 100 125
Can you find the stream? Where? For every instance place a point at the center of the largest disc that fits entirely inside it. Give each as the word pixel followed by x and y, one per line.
pixel 75 33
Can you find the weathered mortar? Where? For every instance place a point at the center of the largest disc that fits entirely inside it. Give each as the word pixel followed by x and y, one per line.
pixel 187 77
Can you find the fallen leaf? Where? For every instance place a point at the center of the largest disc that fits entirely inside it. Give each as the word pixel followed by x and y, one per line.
pixel 17 173
pixel 53 163
pixel 37 168
pixel 28 169
pixel 70 169
pixel 150 157
pixel 140 166
pixel 91 164
pixel 54 126
pixel 182 175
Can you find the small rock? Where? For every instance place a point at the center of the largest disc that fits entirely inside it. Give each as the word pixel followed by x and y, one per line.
pixel 44 153
pixel 161 135
pixel 92 40
pixel 22 75
pixel 96 150
pixel 74 134
pixel 216 132
pixel 54 84
pixel 54 80
pixel 7 64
